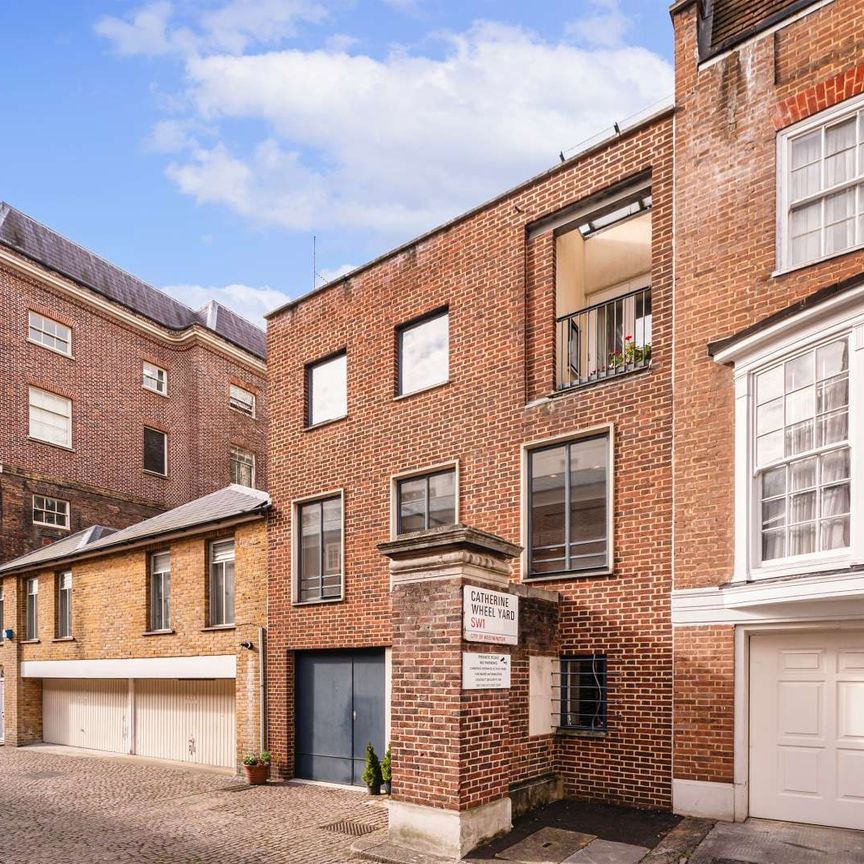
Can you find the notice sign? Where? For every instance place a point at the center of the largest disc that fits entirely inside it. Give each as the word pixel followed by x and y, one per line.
pixel 485 671
pixel 490 616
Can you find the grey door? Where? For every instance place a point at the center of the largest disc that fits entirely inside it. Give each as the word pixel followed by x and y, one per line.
pixel 339 707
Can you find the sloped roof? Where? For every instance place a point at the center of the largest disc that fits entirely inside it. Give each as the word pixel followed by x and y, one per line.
pixel 227 503
pixel 25 235
pixel 726 23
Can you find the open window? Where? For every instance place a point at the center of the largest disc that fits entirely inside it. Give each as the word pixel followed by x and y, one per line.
pixel 603 289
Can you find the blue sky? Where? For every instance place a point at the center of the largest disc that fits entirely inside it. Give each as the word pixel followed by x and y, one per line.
pixel 201 144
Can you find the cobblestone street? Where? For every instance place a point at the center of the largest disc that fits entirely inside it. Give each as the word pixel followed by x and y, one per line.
pixel 69 809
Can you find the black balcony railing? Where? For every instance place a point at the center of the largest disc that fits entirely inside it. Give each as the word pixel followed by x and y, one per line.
pixel 604 340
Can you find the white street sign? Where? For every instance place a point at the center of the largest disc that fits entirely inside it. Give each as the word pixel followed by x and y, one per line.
pixel 490 616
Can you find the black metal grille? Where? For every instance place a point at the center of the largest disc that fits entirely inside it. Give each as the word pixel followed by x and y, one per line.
pixel 353 829
pixel 583 693
pixel 605 340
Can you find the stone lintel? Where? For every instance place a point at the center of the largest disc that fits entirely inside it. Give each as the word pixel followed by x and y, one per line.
pixel 451 538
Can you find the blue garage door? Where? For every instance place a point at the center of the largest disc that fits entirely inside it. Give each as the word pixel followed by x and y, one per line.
pixel 339 707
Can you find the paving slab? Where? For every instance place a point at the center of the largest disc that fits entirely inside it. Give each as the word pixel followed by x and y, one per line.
pixel 607 852
pixel 762 841
pixel 546 846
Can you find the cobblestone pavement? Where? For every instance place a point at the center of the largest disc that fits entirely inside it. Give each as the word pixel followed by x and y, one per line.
pixel 70 809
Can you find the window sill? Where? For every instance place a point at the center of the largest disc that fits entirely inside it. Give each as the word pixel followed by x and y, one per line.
pixel 794 268
pixel 67 354
pixel 429 389
pixel 51 444
pixel 29 641
pixel 321 602
pixel 324 423
pixel 581 733
pixel 64 639
pixel 154 392
pixel 157 632
pixel 216 627
pixel 567 574
pixel 155 474
pixel 51 527
pixel 243 413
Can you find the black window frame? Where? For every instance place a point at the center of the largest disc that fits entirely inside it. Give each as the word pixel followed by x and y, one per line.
pixel 427 476
pixel 595 699
pixel 164 434
pixel 309 421
pixel 299 507
pixel 608 436
pixel 402 329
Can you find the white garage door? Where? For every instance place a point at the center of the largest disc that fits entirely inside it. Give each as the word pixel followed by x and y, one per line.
pixel 90 713
pixel 188 721
pixel 807 728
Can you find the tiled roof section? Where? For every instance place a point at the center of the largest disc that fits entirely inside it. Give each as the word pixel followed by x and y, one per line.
pixel 227 503
pixel 733 21
pixel 25 235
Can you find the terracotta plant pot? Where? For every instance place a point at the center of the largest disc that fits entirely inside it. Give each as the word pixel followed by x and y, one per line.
pixel 256 775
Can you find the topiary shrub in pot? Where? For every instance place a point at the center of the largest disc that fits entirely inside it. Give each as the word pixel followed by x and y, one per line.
pixel 256 767
pixel 386 772
pixel 372 773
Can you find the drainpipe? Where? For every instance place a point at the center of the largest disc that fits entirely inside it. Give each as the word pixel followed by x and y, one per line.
pixel 262 685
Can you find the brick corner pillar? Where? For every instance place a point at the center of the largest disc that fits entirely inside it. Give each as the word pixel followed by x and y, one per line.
pixel 449 747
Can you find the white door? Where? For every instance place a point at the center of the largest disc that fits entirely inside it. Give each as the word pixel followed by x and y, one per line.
pixel 187 721
pixel 91 713
pixel 807 727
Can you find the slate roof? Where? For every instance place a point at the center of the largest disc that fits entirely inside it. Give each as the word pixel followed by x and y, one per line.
pixel 227 503
pixel 729 22
pixel 25 235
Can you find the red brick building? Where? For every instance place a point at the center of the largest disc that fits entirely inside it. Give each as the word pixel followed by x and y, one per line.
pixel 501 372
pixel 118 402
pixel 768 605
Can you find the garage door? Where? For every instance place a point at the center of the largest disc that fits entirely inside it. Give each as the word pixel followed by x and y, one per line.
pixel 339 706
pixel 86 713
pixel 187 721
pixel 807 728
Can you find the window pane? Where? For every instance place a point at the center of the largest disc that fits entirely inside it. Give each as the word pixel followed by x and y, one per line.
pixel 774 513
pixel 154 451
pixel 547 509
pixel 588 504
pixel 840 221
pixel 774 482
pixel 805 224
pixel 799 438
pixel 442 499
pixel 832 395
pixel 835 500
pixel 241 400
pixel 310 551
pixel 584 693
pixel 412 504
pixel 832 428
pixel 799 372
pixel 800 405
pixel 835 533
pixel 769 417
pixel 50 417
pixel 769 448
pixel 332 525
pixel 832 359
pixel 835 465
pixel 802 539
pixel 803 507
pixel 769 385
pixel 328 390
pixel 424 359
pixel 803 474
pixel 806 155
pixel 217 595
pixel 840 152
pixel 228 570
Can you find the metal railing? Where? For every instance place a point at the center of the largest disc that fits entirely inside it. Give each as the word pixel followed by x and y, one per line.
pixel 604 340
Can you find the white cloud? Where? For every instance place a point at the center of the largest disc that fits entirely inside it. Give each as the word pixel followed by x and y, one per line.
pixel 252 303
pixel 329 274
pixel 606 26
pixel 401 143
pixel 144 32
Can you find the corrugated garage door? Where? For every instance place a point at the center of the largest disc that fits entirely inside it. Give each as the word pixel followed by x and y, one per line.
pixel 88 713
pixel 188 721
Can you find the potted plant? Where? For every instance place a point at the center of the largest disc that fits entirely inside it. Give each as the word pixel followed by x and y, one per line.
pixel 386 772
pixel 372 773
pixel 256 767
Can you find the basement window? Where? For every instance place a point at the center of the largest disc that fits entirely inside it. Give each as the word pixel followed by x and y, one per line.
pixel 583 693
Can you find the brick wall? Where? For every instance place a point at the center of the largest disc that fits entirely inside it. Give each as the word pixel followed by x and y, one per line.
pixel 110 619
pixel 499 289
pixel 110 409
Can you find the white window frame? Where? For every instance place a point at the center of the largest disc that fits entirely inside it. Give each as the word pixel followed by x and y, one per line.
pixel 842 111
pixel 64 625
pixel 67 444
pixel 153 573
pixel 395 479
pixel 164 435
pixel 232 449
pixel 215 545
pixel 31 590
pixel 236 402
pixel 841 316
pixel 309 373
pixel 38 326
pixel 45 499
pixel 147 377
pixel 524 515
pixel 296 527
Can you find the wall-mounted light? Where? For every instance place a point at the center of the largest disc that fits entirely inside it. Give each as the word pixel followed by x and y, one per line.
pixel 8 634
pixel 247 645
